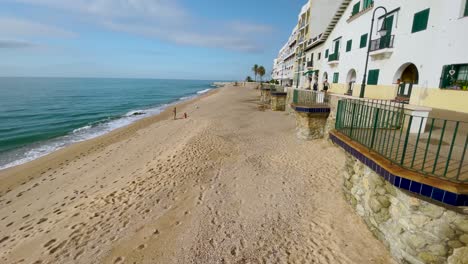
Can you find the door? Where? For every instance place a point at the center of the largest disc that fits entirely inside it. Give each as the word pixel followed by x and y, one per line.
pixel 385 42
pixel 405 90
pixel 337 49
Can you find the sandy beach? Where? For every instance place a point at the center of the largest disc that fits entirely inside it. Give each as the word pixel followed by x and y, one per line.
pixel 230 184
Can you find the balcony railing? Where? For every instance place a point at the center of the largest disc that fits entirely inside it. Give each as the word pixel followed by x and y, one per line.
pixel 436 148
pixel 382 43
pixel 334 57
pixel 310 98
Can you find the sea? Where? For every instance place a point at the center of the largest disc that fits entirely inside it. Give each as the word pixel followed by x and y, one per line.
pixel 41 115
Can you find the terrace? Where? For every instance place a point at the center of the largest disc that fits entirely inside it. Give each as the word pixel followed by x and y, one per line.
pixel 433 147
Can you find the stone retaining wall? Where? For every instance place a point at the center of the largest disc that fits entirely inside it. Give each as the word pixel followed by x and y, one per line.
pixel 278 102
pixel 415 230
pixel 310 126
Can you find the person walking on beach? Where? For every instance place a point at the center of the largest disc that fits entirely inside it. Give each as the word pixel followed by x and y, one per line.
pixel 175 113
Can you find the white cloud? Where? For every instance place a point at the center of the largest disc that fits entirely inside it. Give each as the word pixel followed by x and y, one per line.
pixel 18 28
pixel 15 44
pixel 162 19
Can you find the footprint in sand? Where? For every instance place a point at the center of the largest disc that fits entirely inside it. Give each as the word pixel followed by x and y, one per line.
pixel 119 260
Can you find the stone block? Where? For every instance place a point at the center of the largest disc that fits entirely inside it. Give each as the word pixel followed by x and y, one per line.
pixel 432 211
pixel 455 244
pixel 459 256
pixel 310 126
pixel 278 102
pixel 462 224
pixel 464 239
pixel 428 257
pixel 438 250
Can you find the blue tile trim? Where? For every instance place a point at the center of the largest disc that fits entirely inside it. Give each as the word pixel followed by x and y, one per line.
pixel 418 188
pixel 312 109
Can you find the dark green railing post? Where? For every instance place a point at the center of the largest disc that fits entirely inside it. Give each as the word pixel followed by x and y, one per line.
pixel 295 96
pixel 462 158
pixel 338 116
pixel 438 148
pixel 405 145
pixel 451 148
pixel 417 141
pixel 352 121
pixel 376 121
pixel 427 144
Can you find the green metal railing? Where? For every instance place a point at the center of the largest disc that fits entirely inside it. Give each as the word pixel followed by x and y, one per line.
pixel 272 87
pixel 431 146
pixel 333 57
pixel 310 98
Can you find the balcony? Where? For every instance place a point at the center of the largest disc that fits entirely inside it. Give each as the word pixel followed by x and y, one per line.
pixel 310 64
pixel 382 47
pixel 333 59
pixel 302 25
pixel 301 39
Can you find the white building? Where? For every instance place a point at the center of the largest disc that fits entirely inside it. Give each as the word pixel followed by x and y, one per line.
pixel 283 65
pixel 423 58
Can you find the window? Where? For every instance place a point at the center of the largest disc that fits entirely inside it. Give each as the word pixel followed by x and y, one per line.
pixel 420 21
pixel 356 8
pixel 455 77
pixel 326 53
pixel 367 3
pixel 336 76
pixel 349 45
pixel 466 9
pixel 373 78
pixel 319 55
pixel 363 43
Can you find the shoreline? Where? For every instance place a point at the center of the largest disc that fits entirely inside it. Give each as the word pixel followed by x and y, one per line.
pixel 231 182
pixel 12 177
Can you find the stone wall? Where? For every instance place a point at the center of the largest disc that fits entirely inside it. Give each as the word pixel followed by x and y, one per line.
pixel 415 230
pixel 278 102
pixel 333 104
pixel 310 126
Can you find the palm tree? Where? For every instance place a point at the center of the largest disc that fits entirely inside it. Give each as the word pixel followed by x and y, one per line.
pixel 255 70
pixel 261 72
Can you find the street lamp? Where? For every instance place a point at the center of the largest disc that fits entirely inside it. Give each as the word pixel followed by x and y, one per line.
pixel 382 32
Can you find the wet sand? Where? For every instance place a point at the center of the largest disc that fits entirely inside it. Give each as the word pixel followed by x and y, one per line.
pixel 230 184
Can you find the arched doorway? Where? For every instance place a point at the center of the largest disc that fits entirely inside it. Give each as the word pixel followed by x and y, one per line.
pixel 351 80
pixel 406 76
pixel 324 78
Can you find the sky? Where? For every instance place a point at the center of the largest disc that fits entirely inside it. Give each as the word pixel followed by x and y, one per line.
pixel 171 39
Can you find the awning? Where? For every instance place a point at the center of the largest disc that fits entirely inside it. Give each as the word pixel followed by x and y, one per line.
pixel 310 72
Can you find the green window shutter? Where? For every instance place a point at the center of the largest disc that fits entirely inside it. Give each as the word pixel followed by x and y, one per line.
pixel 466 8
pixel 367 3
pixel 356 8
pixel 336 76
pixel 363 43
pixel 444 79
pixel 373 78
pixel 326 53
pixel 349 45
pixel 420 21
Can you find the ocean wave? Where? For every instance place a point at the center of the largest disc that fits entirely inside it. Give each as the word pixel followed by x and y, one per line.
pixel 204 91
pixel 26 154
pixel 81 129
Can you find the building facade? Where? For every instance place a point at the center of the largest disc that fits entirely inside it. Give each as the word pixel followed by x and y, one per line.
pixel 284 64
pixel 422 59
